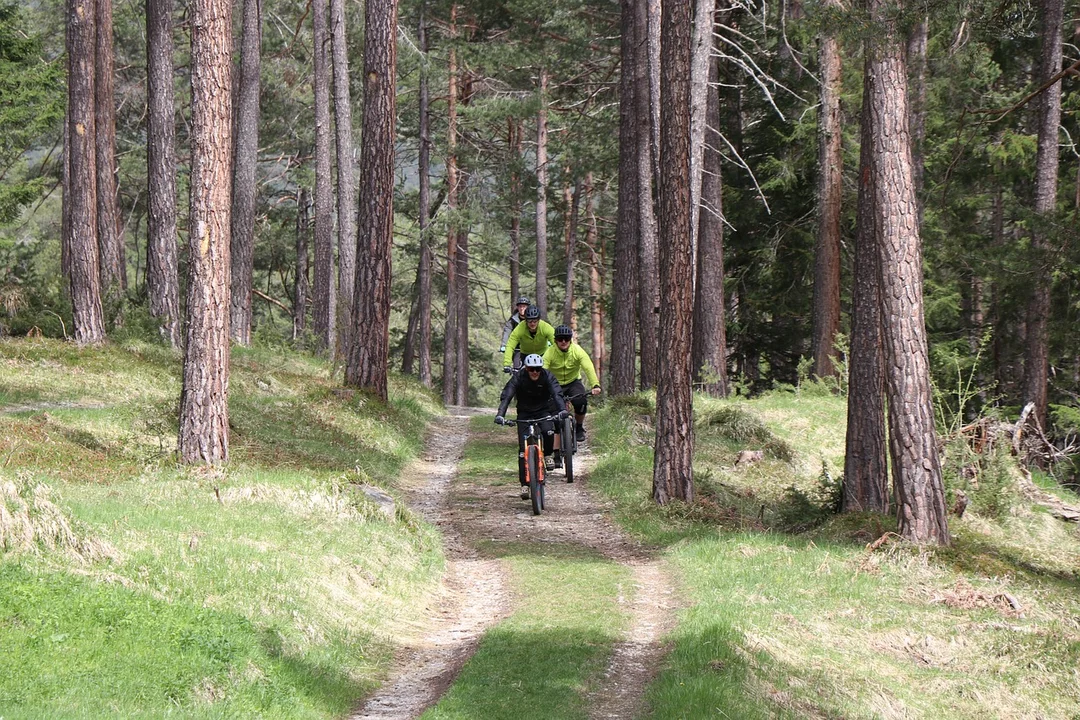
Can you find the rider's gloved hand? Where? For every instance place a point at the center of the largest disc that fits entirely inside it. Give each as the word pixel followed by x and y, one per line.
pixel 563 414
pixel 507 369
pixel 502 349
pixel 500 420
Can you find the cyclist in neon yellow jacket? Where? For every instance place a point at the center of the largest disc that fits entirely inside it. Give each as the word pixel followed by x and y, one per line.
pixel 532 336
pixel 567 361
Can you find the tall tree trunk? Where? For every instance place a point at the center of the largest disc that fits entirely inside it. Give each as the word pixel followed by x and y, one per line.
pixel 913 444
pixel 346 185
pixel 1036 358
pixel 423 273
pixel 628 225
pixel 450 334
pixel 81 201
pixel 162 265
pixel 596 280
pixel 514 143
pixel 369 353
pixel 245 162
pixel 204 407
pixel 826 323
pixel 461 386
pixel 572 201
pixel 110 239
pixel 709 360
pixel 301 288
pixel 541 196
pixel 866 474
pixel 700 69
pixel 916 58
pixel 673 459
pixel 645 68
pixel 324 311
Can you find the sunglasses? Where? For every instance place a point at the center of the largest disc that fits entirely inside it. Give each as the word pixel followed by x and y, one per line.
pixel 533 370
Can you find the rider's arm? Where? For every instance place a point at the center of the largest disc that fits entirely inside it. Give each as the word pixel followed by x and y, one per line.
pixel 508 392
pixel 508 327
pixel 587 366
pixel 511 343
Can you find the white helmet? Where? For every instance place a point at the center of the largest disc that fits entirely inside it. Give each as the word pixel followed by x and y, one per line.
pixel 534 361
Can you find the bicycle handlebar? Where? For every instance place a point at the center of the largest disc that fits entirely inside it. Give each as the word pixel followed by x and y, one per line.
pixel 515 421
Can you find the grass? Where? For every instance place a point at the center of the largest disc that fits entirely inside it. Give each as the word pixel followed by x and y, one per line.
pixel 815 624
pixel 136 588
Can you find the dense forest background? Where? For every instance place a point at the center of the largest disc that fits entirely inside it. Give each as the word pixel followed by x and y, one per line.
pixel 524 105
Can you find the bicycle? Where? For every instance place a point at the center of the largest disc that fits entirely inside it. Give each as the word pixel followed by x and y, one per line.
pixel 534 459
pixel 567 438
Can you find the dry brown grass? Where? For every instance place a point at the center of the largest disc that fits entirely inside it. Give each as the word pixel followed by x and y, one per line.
pixel 31 522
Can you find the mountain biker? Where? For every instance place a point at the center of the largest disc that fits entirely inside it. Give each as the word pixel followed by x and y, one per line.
pixel 567 361
pixel 508 327
pixel 532 336
pixel 535 390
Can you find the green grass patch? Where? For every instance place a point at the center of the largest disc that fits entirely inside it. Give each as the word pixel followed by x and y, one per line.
pixel 271 587
pixel 792 615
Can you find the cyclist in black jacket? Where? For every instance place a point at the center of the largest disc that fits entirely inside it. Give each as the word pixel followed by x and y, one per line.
pixel 535 390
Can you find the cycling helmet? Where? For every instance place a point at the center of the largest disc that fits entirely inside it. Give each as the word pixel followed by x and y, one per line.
pixel 564 331
pixel 534 361
pixel 523 301
pixel 532 313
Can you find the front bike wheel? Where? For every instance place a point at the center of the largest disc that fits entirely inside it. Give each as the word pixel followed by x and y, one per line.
pixel 532 469
pixel 567 442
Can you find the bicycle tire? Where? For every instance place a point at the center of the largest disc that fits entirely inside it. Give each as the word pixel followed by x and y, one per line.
pixel 567 443
pixel 532 469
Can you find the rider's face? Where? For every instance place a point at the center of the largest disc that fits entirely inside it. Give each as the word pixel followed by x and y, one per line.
pixel 563 342
pixel 533 324
pixel 521 309
pixel 534 373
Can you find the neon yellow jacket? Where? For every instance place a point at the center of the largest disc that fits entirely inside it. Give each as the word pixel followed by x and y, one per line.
pixel 528 342
pixel 567 366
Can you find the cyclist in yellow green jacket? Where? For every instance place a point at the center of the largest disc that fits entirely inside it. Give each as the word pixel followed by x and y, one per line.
pixel 532 336
pixel 567 361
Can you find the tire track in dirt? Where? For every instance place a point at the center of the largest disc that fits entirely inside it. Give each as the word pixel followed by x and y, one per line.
pixel 475 595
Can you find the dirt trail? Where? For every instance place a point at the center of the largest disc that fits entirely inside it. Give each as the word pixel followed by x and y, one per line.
pixel 475 594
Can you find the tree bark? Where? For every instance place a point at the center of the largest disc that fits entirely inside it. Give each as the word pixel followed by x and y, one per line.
pixel 916 58
pixel 369 353
pixel 514 143
pixel 866 478
pixel 709 361
pixel 596 280
pixel 826 322
pixel 245 162
pixel 110 239
pixel 913 445
pixel 346 184
pixel 701 62
pixel 647 118
pixel 204 408
pixel 541 196
pixel 82 244
pixel 673 459
pixel 573 202
pixel 450 334
pixel 1037 353
pixel 324 311
pixel 162 265
pixel 301 287
pixel 423 273
pixel 627 222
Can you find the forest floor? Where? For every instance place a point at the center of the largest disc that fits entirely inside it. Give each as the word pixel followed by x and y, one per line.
pixel 475 593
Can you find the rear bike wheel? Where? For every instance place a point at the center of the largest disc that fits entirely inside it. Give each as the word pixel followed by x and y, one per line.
pixel 567 442
pixel 532 470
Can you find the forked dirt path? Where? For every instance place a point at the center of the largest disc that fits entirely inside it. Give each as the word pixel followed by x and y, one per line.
pixel 475 593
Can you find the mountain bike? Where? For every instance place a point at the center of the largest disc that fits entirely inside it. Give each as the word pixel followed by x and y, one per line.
pixel 567 438
pixel 534 459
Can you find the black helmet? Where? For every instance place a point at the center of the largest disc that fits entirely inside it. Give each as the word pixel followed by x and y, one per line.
pixel 523 301
pixel 564 331
pixel 532 313
pixel 534 360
